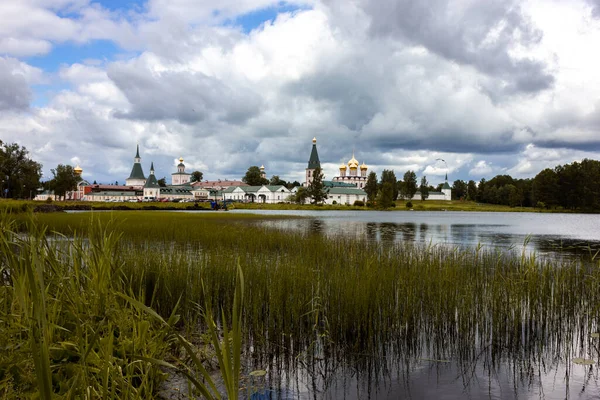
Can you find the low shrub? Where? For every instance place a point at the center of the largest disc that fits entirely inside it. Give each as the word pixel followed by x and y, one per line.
pixel 359 203
pixel 409 204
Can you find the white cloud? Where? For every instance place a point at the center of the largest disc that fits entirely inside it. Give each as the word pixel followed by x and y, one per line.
pixel 225 100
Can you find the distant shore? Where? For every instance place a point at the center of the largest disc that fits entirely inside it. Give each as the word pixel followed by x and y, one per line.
pixel 401 205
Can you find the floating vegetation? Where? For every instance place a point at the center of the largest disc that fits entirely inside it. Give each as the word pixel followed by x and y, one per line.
pixel 313 307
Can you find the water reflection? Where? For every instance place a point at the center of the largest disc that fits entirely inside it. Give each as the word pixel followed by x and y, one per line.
pixel 453 234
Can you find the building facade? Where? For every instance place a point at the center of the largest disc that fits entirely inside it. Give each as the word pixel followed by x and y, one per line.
pixel 180 177
pixel 353 173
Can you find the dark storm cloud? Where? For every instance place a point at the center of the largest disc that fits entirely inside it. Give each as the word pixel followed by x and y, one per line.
pixel 188 97
pixel 595 4
pixel 479 33
pixel 14 90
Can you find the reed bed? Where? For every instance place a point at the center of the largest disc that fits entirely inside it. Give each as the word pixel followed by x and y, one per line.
pixel 305 297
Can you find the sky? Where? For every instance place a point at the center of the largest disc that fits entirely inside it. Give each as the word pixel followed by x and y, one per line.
pixel 488 86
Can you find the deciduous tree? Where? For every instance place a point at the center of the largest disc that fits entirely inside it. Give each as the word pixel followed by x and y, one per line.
pixel 196 176
pixel 390 177
pixel 424 188
pixel 19 174
pixel 410 185
pixel 65 180
pixel 253 177
pixel 371 186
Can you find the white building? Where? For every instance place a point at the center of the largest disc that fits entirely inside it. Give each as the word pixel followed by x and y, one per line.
pixel 445 194
pixel 180 177
pixel 257 194
pixel 345 195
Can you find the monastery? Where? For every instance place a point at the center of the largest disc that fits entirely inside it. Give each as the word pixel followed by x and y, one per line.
pixel 346 188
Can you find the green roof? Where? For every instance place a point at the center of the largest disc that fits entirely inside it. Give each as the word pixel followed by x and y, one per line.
pixel 275 188
pixel 338 184
pixel 346 190
pixel 137 152
pixel 131 194
pixel 313 161
pixel 151 182
pixel 136 172
pixel 446 186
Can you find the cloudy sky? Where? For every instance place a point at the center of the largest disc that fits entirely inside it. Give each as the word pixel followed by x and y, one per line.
pixel 490 86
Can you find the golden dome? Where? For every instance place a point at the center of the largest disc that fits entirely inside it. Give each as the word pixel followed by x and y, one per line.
pixel 363 166
pixel 262 167
pixel 314 140
pixel 353 163
pixel 180 159
pixel 343 166
pixel 78 170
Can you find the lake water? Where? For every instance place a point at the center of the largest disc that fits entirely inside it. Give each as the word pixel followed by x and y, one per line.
pixel 559 236
pixel 533 371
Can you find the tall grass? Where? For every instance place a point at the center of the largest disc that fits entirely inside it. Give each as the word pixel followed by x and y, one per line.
pixel 305 297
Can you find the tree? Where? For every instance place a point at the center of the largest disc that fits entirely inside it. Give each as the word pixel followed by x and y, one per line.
pixel 162 182
pixel 471 190
pixel 19 175
pixel 65 180
pixel 196 176
pixel 276 181
pixel 300 196
pixel 371 186
pixel 410 185
pixel 316 190
pixel 385 195
pixel 459 190
pixel 389 176
pixel 291 185
pixel 424 188
pixel 253 177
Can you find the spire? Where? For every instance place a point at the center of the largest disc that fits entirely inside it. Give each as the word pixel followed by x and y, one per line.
pixel 151 182
pixel 136 171
pixel 446 177
pixel 313 161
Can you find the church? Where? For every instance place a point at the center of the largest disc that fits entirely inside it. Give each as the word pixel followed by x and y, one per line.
pixel 342 189
pixel 348 187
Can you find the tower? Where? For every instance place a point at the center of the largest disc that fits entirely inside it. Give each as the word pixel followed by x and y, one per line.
pixel 353 166
pixel 263 174
pixel 313 163
pixel 363 170
pixel 151 187
pixel 136 178
pixel 343 170
pixel 180 177
pixel 446 189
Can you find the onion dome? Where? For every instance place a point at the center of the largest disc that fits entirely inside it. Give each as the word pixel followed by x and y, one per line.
pixel 363 166
pixel 181 162
pixel 262 167
pixel 314 140
pixel 353 163
pixel 78 170
pixel 343 166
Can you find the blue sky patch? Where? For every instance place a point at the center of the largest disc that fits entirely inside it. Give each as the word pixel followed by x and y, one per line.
pixel 254 19
pixel 71 53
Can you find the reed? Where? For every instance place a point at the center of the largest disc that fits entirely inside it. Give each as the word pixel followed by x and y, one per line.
pixel 305 297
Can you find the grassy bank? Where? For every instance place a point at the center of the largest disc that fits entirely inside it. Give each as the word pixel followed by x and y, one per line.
pixel 428 205
pixel 69 330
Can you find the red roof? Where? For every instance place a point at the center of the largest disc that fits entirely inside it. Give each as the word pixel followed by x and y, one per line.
pixel 120 188
pixel 219 183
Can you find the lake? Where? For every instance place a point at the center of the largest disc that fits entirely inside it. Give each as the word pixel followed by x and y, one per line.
pixel 558 236
pixel 432 367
